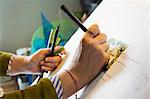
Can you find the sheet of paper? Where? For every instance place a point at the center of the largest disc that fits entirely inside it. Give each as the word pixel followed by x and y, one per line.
pixel 128 77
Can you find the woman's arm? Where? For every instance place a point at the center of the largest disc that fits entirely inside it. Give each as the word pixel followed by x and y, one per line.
pixel 15 64
pixel 92 59
pixel 25 64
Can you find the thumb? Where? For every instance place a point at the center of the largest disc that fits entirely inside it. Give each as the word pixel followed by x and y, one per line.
pixel 94 30
pixel 44 51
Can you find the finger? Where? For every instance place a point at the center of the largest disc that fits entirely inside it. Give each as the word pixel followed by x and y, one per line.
pixel 56 48
pixel 105 46
pixel 51 65
pixel 47 68
pixel 53 59
pixel 63 52
pixel 94 29
pixel 101 38
pixel 44 51
pixel 42 62
pixel 107 57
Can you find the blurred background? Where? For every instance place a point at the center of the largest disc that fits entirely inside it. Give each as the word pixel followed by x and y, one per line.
pixel 20 18
pixel 21 28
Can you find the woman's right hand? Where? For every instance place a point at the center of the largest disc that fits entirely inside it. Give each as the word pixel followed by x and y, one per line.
pixel 93 56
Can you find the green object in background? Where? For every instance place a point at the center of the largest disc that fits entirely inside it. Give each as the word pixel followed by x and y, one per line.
pixel 51 38
pixel 67 29
pixel 39 40
pixel 78 14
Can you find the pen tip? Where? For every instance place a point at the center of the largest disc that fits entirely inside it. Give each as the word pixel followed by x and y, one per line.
pixel 58 26
pixel 57 29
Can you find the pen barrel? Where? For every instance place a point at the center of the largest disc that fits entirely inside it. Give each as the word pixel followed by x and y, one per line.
pixel 53 46
pixel 73 17
pixel 54 42
pixel 49 44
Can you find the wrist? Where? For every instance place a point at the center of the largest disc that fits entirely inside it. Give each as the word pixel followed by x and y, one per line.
pixel 82 75
pixel 17 65
pixel 75 82
pixel 69 86
pixel 78 76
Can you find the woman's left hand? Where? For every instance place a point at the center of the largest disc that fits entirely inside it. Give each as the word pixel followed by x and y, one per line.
pixel 40 61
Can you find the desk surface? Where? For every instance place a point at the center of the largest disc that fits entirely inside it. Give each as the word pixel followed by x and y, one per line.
pixel 128 78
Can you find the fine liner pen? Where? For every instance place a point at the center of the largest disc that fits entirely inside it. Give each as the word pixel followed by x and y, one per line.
pixel 54 42
pixel 52 50
pixel 75 19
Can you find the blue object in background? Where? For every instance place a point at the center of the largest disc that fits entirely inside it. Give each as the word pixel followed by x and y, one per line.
pixel 41 35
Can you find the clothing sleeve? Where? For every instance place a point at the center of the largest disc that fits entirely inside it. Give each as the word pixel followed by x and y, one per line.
pixel 42 90
pixel 47 88
pixel 57 85
pixel 4 61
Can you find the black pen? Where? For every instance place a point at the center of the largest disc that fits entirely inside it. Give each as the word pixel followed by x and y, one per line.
pixel 75 19
pixel 54 42
pixel 52 48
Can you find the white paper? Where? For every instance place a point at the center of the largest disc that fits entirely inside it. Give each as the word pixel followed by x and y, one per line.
pixel 128 77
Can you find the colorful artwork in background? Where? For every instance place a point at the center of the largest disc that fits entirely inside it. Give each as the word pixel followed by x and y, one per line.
pixel 41 35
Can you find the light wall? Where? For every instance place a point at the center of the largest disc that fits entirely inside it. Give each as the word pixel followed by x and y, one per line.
pixel 20 18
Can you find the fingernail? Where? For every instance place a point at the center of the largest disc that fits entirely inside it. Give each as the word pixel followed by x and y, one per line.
pixel 42 62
